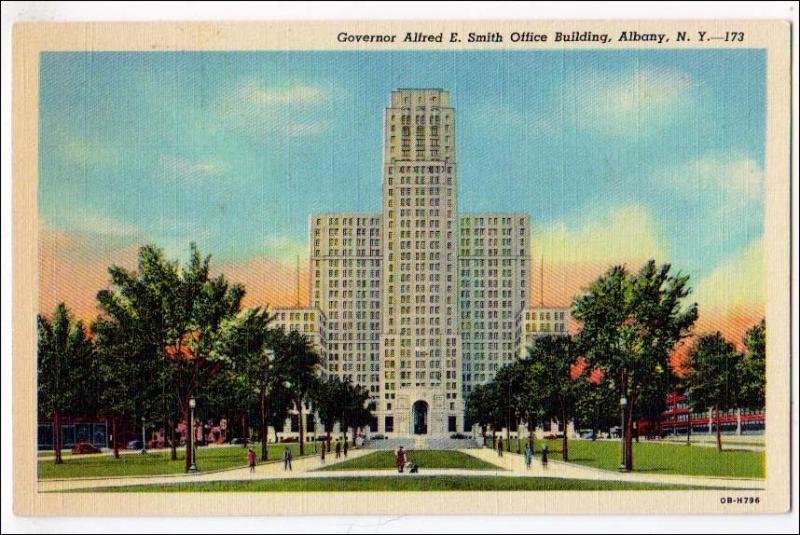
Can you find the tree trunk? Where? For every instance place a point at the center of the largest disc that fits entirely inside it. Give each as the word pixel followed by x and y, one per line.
pixel 299 405
pixel 719 432
pixel 173 455
pixel 494 438
pixel 531 431
pixel 564 443
pixel 244 430
pixel 264 430
pixel 114 439
pixel 629 436
pixel 57 437
pixel 508 435
pixel 483 434
pixel 187 461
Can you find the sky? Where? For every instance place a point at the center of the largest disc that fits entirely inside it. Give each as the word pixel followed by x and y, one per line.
pixel 617 157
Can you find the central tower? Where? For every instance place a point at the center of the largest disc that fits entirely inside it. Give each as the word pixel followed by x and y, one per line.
pixel 419 339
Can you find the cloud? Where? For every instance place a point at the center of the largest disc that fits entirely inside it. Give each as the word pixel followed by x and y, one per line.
pixel 630 103
pixel 187 171
pixel 739 179
pixel 285 250
pixel 566 258
pixel 295 110
pixel 738 283
pixel 296 94
pixel 82 151
pixel 96 224
pixel 623 234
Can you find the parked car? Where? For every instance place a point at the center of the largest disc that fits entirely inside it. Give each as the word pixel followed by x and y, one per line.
pixel 134 445
pixel 84 448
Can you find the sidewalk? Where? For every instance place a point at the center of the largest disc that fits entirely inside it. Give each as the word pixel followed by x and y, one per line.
pixel 269 470
pixel 515 463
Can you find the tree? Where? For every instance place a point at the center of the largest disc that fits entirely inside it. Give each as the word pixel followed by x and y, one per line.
pixel 478 409
pixel 178 310
pixel 356 408
pixel 297 364
pixel 595 405
pixel 327 400
pixel 127 370
pixel 63 346
pixel 715 383
pixel 753 369
pixel 553 359
pixel 245 339
pixel 507 385
pixel 630 325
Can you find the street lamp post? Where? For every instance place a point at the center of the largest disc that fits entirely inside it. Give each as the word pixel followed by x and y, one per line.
pixel 192 452
pixel 144 442
pixel 623 402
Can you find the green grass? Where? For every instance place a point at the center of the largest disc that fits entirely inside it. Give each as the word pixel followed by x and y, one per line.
pixel 429 459
pixel 660 458
pixel 159 463
pixel 396 483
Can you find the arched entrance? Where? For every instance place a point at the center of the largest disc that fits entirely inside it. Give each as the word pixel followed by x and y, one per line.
pixel 419 418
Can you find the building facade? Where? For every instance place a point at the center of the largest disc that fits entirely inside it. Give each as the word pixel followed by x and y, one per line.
pixel 419 302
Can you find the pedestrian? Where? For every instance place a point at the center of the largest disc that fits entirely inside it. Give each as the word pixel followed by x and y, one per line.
pixel 338 449
pixel 251 460
pixel 528 456
pixel 544 457
pixel 500 447
pixel 400 459
pixel 287 459
pixel 322 455
pixel 345 449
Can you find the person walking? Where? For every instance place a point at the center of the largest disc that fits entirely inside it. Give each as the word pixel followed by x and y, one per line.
pixel 544 456
pixel 528 456
pixel 338 449
pixel 344 449
pixel 500 447
pixel 287 459
pixel 251 460
pixel 400 459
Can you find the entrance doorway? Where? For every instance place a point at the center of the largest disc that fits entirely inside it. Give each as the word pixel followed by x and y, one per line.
pixel 419 417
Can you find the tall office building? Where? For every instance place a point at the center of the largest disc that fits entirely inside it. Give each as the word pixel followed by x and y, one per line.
pixel 420 303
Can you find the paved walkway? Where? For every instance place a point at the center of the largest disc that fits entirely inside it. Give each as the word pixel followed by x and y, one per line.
pixel 301 467
pixel 515 464
pixel 510 465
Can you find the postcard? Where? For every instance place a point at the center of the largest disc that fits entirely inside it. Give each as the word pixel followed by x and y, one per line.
pixel 410 267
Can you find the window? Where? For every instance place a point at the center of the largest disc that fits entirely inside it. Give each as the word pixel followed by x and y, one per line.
pixel 389 424
pixel 451 424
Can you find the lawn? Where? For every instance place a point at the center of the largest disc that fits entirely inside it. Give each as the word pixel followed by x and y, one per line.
pixel 396 483
pixel 381 460
pixel 208 459
pixel 661 458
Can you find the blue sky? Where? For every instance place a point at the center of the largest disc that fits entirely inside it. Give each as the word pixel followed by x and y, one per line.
pixel 611 153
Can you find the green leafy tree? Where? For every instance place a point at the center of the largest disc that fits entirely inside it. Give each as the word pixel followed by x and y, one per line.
pixel 715 383
pixel 127 368
pixel 508 385
pixel 753 367
pixel 478 409
pixel 246 339
pixel 596 406
pixel 553 359
pixel 63 346
pixel 356 409
pixel 630 325
pixel 297 364
pixel 178 310
pixel 328 400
